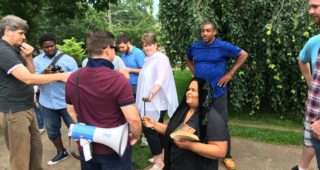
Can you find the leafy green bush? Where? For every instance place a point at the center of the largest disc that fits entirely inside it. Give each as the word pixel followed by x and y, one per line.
pixel 73 48
pixel 272 32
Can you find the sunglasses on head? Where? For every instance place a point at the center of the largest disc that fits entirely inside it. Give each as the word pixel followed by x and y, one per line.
pixel 111 47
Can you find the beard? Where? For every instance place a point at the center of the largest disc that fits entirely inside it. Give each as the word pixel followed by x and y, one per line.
pixel 316 19
pixel 128 50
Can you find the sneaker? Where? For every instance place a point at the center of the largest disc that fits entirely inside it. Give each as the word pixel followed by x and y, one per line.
pixel 295 167
pixel 229 163
pixel 143 142
pixel 61 155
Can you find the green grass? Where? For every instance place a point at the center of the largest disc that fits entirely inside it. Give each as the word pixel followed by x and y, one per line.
pixel 267 135
pixel 182 79
pixel 265 127
pixel 141 156
pixel 260 119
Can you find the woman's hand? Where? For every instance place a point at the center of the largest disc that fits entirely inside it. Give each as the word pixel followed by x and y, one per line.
pixel 148 122
pixel 149 97
pixel 183 143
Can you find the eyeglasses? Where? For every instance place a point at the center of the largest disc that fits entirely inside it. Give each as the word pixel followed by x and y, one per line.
pixel 111 47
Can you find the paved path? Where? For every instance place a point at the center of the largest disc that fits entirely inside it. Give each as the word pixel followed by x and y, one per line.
pixel 247 154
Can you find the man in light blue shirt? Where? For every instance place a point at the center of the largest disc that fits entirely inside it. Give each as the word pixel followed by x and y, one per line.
pixel 52 95
pixel 132 57
pixel 307 60
pixel 308 56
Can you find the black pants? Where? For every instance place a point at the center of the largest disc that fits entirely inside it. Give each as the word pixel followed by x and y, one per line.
pixel 155 139
pixel 220 104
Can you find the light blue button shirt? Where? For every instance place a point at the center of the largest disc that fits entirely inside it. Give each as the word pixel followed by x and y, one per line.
pixel 52 95
pixel 310 51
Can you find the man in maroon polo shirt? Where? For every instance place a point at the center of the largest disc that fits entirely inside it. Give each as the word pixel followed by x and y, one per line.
pixel 105 100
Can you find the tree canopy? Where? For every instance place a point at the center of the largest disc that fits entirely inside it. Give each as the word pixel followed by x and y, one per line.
pixel 74 18
pixel 48 13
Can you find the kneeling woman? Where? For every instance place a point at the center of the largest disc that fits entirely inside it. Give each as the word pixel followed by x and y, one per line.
pixel 196 111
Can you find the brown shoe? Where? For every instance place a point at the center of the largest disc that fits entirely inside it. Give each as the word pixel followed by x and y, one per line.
pixel 229 163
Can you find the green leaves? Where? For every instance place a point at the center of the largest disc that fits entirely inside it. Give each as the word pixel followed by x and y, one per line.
pixel 272 32
pixel 73 48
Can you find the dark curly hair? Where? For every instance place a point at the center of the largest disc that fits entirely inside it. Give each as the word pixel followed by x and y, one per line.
pixel 46 37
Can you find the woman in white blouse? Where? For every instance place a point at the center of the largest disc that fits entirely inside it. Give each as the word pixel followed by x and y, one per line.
pixel 157 87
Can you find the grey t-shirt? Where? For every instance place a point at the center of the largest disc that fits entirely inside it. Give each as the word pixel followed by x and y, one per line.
pixel 14 94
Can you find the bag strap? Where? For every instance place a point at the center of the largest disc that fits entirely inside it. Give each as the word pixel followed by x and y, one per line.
pixel 78 94
pixel 78 106
pixel 56 59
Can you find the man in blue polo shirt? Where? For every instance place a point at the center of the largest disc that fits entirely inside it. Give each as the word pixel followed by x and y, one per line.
pixel 208 58
pixel 132 57
pixel 52 95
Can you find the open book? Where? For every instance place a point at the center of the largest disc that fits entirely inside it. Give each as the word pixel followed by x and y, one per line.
pixel 184 131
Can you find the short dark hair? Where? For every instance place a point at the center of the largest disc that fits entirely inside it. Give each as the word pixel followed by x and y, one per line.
pixel 209 23
pixel 123 38
pixel 46 37
pixel 97 40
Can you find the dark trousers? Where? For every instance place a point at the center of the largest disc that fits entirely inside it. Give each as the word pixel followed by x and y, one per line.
pixel 155 139
pixel 220 104
pixel 108 161
pixel 52 121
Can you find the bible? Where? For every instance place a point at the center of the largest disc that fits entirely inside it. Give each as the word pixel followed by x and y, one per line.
pixel 184 131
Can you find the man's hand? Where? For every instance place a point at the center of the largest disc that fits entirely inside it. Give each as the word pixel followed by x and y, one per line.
pixel 64 76
pixel 125 72
pixel 26 50
pixel 315 128
pixel 225 79
pixel 132 139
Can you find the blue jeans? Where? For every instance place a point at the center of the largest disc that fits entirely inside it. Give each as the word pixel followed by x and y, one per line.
pixel 108 161
pixel 39 116
pixel 52 120
pixel 316 143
